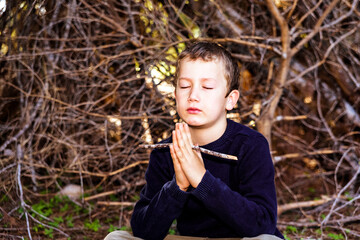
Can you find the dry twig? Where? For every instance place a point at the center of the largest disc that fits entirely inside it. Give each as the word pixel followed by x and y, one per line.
pixel 197 148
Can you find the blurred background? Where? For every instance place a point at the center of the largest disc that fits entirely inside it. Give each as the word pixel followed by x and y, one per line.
pixel 84 83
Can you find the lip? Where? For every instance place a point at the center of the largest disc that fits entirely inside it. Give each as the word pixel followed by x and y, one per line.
pixel 193 110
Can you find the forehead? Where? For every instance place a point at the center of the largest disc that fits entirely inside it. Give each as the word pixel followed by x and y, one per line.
pixel 199 68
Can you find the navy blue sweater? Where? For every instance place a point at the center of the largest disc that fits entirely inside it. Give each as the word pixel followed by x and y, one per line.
pixel 233 199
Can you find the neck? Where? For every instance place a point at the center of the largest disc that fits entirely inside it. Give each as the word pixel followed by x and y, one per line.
pixel 204 135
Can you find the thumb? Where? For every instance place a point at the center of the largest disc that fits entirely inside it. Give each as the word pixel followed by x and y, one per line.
pixel 197 150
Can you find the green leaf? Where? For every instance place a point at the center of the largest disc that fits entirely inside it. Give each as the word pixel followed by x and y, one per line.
pixel 69 221
pixel 49 232
pixel 291 229
pixel 113 228
pixel 94 226
pixel 335 236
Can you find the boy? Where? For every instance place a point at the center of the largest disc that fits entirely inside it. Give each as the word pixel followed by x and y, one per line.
pixel 207 195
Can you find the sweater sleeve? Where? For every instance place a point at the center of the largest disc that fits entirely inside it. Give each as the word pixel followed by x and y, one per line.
pixel 161 200
pixel 251 210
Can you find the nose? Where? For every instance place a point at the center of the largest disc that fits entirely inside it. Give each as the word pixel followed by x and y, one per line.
pixel 194 94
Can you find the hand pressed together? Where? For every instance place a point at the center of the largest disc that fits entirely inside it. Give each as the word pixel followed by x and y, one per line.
pixel 188 163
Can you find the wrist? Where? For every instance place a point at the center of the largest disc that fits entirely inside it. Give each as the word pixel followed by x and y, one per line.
pixel 198 178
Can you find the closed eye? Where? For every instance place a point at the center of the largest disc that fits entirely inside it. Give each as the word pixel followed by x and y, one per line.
pixel 208 87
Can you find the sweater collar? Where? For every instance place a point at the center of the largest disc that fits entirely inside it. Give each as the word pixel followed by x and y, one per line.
pixel 224 138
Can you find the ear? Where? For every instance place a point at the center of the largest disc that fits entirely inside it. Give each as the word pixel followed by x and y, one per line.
pixel 232 99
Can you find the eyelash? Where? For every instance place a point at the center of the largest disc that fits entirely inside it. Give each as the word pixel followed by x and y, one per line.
pixel 207 88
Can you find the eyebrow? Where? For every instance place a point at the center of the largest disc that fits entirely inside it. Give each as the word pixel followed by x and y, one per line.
pixel 184 78
pixel 202 79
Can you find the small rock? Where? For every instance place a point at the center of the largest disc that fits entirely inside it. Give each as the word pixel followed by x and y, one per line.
pixel 72 191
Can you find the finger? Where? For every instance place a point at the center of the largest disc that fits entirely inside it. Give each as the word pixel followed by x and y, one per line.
pixel 186 141
pixel 175 141
pixel 176 162
pixel 188 134
pixel 173 156
pixel 179 138
pixel 181 178
pixel 172 151
pixel 177 145
pixel 198 152
pixel 174 137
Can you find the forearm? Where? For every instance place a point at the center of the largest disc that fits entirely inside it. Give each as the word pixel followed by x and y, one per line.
pixel 152 217
pixel 249 215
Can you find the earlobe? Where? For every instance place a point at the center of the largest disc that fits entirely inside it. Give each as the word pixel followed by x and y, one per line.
pixel 229 104
pixel 232 99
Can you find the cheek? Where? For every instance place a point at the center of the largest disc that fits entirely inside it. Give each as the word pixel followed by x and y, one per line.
pixel 177 98
pixel 180 96
pixel 178 102
pixel 220 101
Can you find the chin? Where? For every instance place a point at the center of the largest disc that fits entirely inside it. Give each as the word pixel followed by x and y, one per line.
pixel 194 123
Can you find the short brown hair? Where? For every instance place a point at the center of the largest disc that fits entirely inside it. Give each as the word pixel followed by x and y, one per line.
pixel 208 51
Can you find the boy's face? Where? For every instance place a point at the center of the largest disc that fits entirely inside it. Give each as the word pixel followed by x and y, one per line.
pixel 200 93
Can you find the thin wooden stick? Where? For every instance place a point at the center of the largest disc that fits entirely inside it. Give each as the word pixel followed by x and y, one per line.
pixel 122 204
pixel 204 150
pixel 313 203
pixel 20 156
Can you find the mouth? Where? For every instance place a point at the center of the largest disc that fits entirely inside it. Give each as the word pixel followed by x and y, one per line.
pixel 193 110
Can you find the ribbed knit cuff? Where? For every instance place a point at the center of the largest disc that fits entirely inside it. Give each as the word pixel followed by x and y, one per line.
pixel 173 189
pixel 205 187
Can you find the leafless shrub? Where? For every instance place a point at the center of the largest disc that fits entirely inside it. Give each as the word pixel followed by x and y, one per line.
pixel 79 93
